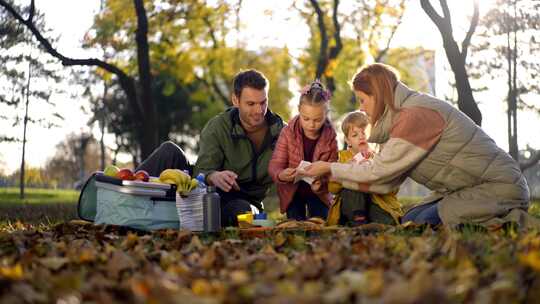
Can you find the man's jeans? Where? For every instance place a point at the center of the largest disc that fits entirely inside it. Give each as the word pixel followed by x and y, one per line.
pixel 170 156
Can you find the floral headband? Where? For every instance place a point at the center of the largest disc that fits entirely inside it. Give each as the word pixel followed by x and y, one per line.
pixel 316 84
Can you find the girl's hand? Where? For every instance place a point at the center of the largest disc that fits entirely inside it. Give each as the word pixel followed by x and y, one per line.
pixel 318 168
pixel 287 175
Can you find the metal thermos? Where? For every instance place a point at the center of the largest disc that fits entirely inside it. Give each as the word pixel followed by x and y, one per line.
pixel 211 210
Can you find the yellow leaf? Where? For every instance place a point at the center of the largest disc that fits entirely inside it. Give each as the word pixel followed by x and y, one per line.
pixel 201 287
pixel 130 241
pixel 208 259
pixel 13 273
pixel 87 255
pixel 239 277
pixel 279 240
pixel 531 259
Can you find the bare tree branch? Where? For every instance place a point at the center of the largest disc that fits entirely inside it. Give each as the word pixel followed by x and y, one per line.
pixel 125 81
pixel 535 159
pixel 474 22
pixel 431 12
pixel 446 13
pixel 334 51
pixel 323 57
pixel 456 58
pixel 392 33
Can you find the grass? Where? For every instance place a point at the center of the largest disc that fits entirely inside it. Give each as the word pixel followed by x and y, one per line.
pixel 48 206
pixel 39 207
pixel 38 196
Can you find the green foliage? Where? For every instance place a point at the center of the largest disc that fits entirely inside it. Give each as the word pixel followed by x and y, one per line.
pixel 191 62
pixel 367 28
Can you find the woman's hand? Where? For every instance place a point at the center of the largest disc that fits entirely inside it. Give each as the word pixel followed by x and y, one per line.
pixel 318 168
pixel 287 175
pixel 367 154
pixel 316 185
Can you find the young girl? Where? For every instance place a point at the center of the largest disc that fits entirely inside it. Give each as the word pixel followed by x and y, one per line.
pixel 354 207
pixel 309 136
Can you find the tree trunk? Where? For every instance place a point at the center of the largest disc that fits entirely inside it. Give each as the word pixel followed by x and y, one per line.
pixel 327 56
pixel 512 88
pixel 102 126
pixel 102 145
pixel 322 62
pixel 515 147
pixel 457 58
pixel 149 136
pixel 25 124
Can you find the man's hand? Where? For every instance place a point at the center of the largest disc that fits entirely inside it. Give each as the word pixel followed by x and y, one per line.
pixel 287 175
pixel 224 180
pixel 318 168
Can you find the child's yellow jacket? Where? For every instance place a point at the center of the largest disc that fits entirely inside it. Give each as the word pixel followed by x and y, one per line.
pixel 388 202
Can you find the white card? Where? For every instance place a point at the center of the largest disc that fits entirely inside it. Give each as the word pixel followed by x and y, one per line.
pixel 299 173
pixel 358 158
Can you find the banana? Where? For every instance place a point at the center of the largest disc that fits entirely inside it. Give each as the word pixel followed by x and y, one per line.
pixel 171 174
pixel 184 183
pixel 168 181
pixel 193 184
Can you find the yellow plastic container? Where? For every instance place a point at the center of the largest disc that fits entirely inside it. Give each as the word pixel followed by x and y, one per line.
pixel 245 218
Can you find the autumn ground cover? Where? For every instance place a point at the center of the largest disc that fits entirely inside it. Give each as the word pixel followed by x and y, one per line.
pixel 73 261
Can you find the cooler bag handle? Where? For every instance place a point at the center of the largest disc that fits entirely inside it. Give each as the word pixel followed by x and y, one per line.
pixel 86 206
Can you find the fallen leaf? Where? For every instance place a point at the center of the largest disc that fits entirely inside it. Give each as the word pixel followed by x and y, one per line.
pixel 531 259
pixel 53 263
pixel 14 272
pixel 201 287
pixel 279 239
pixel 119 262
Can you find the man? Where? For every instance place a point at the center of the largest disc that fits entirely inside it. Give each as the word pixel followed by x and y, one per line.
pixel 235 148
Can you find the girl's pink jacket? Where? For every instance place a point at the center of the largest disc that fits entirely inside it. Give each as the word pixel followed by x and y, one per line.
pixel 289 152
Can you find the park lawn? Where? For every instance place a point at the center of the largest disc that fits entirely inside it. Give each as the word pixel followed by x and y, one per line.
pixel 39 207
pixel 51 206
pixel 38 196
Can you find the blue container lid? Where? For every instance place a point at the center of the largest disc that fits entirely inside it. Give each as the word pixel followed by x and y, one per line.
pixel 259 216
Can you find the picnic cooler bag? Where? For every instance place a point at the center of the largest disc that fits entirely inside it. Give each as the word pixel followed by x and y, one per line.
pixel 135 204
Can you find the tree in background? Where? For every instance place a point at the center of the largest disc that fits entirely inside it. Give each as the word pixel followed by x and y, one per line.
pixel 136 89
pixel 76 157
pixel 508 48
pixel 456 57
pixel 192 66
pixel 345 36
pixel 30 78
pixel 11 34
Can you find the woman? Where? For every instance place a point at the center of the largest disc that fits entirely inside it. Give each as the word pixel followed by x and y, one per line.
pixel 428 140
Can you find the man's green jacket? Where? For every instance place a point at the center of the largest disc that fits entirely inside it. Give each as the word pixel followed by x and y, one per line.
pixel 224 145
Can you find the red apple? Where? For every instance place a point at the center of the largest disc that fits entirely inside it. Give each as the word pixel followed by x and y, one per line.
pixel 125 174
pixel 142 175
